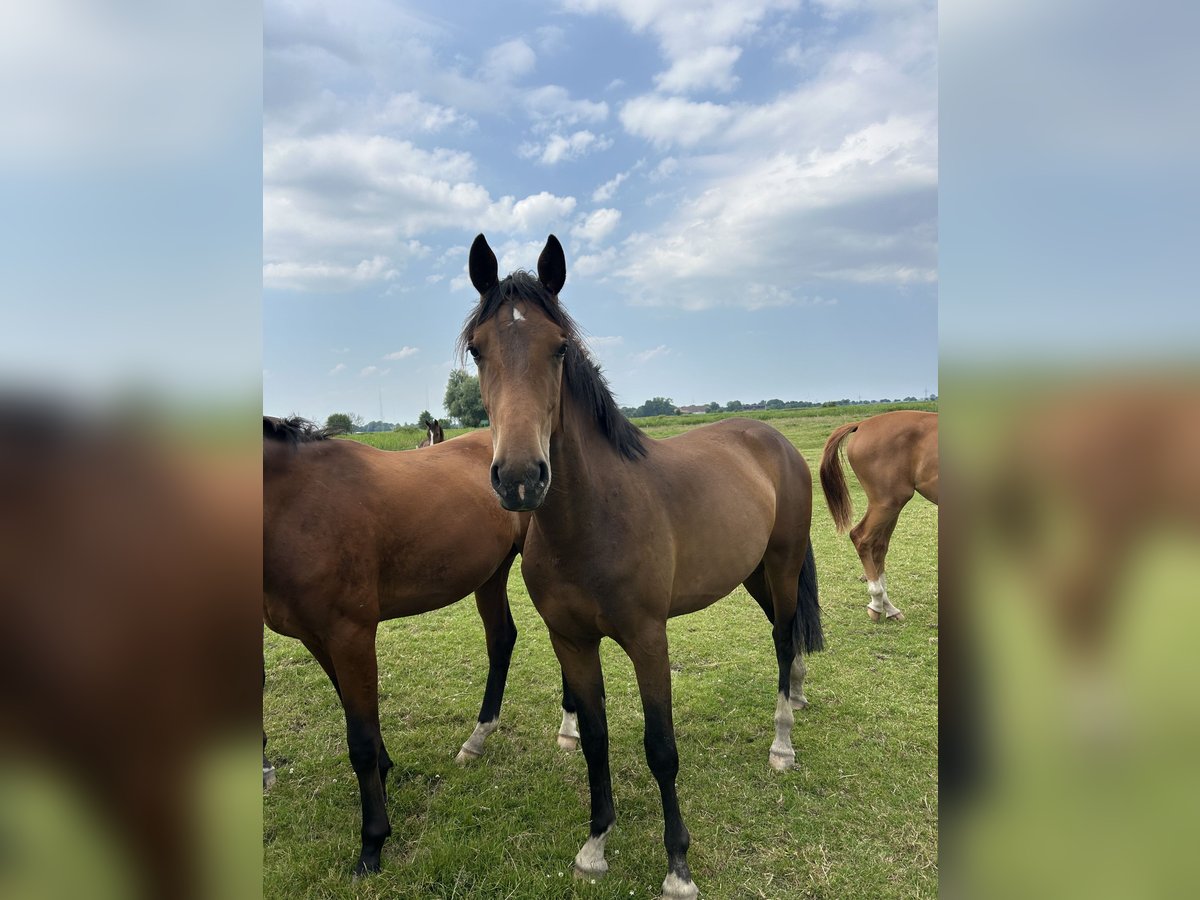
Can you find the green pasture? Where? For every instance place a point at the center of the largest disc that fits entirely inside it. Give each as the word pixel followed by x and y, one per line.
pixel 857 817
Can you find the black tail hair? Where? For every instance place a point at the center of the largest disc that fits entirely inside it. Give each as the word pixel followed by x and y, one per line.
pixel 806 627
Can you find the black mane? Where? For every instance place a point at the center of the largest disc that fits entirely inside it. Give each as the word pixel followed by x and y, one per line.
pixel 295 430
pixel 583 377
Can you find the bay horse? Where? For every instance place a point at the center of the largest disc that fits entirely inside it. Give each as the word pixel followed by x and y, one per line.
pixel 129 563
pixel 352 536
pixel 894 455
pixel 433 435
pixel 627 532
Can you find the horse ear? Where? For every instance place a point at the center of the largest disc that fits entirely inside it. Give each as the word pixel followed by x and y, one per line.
pixel 552 266
pixel 483 265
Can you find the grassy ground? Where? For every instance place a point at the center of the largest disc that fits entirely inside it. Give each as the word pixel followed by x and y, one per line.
pixel 857 817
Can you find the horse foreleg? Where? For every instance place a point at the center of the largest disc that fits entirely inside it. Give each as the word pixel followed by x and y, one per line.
pixel 653 667
pixel 581 669
pixel 501 632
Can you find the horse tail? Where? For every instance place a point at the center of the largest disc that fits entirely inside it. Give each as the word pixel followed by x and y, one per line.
pixel 806 626
pixel 833 482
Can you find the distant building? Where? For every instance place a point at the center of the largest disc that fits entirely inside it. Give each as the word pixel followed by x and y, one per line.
pixel 692 410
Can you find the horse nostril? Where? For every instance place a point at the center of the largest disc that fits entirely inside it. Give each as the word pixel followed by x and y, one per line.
pixel 543 473
pixel 495 477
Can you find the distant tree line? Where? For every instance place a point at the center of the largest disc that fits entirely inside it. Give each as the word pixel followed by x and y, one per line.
pixel 464 404
pixel 664 406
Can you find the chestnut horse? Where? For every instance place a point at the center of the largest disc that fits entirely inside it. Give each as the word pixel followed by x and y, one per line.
pixel 433 434
pixel 894 456
pixel 627 532
pixel 353 536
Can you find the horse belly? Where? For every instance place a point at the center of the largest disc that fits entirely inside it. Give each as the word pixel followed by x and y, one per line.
pixel 707 570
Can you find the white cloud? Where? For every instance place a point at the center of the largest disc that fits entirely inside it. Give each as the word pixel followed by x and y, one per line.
pixel 508 61
pixel 372 371
pixel 534 213
pixel 403 353
pixel 341 211
pixel 698 38
pixel 646 355
pixel 590 264
pixel 559 149
pixel 551 39
pixel 605 192
pixel 340 367
pixel 666 167
pixel 326 276
pixel 551 106
pixel 712 67
pixel 667 121
pixel 597 225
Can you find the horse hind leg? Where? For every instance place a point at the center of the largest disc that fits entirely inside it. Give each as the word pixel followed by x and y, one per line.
pixel 870 538
pixel 353 657
pixel 778 600
pixel 492 602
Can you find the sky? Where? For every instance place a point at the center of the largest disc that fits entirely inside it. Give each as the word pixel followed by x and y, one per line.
pixel 746 192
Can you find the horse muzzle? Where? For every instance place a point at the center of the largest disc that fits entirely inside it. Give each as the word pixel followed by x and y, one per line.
pixel 521 488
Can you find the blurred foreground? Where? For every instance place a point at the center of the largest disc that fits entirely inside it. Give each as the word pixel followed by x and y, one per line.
pixel 1069 716
pixel 130 564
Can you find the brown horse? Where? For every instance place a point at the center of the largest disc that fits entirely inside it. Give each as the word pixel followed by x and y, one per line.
pixel 353 536
pixel 894 455
pixel 433 435
pixel 632 531
pixel 129 563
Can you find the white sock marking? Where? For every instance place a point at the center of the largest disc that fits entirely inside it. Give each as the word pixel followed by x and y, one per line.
pixel 474 744
pixel 675 888
pixel 782 754
pixel 879 598
pixel 568 731
pixel 590 858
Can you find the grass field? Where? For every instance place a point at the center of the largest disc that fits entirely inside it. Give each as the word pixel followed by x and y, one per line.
pixel 856 818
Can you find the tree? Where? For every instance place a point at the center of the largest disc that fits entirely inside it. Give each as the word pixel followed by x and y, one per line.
pixel 341 422
pixel 463 400
pixel 658 406
pixel 425 419
pixel 734 406
pixel 713 407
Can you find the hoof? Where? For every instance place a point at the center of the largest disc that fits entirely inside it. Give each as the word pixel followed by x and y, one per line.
pixel 591 874
pixel 781 762
pixel 675 888
pixel 897 616
pixel 873 613
pixel 800 702
pixel 268 777
pixel 568 742
pixel 466 756
pixel 365 868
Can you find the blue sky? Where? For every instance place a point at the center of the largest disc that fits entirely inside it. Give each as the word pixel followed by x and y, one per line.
pixel 747 192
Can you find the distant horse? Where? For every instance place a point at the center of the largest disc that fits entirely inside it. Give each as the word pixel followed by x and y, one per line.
pixel 634 531
pixel 894 455
pixel 434 434
pixel 353 536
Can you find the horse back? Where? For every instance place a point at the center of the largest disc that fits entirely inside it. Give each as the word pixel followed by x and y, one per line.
pixel 395 533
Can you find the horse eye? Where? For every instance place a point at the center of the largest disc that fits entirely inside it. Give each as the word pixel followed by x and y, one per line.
pixel 561 351
pixel 474 351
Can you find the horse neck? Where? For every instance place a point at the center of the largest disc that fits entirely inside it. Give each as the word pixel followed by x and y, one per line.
pixel 584 465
